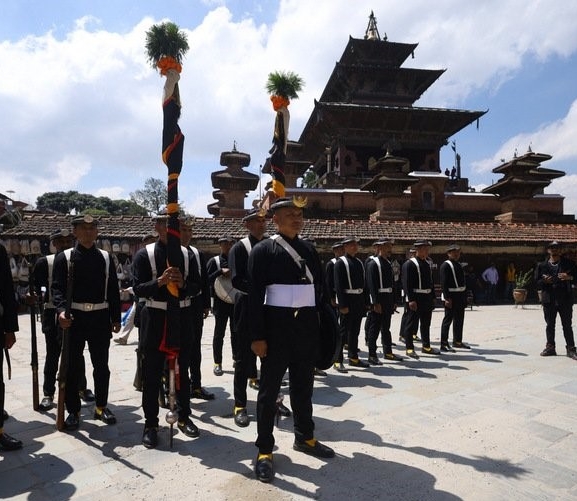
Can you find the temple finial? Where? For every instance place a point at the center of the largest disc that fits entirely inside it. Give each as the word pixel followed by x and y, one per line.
pixel 372 32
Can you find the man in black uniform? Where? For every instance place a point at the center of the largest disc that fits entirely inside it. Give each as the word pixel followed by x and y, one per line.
pixel 43 269
pixel 554 277
pixel 455 299
pixel 8 326
pixel 381 292
pixel 285 290
pixel 245 362
pixel 420 295
pixel 217 266
pixel 151 276
pixel 330 292
pixel 350 291
pixel 200 310
pixel 95 311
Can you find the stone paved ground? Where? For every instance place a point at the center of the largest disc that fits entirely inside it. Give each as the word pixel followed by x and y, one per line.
pixel 498 422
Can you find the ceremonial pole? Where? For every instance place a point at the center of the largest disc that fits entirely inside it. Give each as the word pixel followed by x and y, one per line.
pixel 282 87
pixel 166 46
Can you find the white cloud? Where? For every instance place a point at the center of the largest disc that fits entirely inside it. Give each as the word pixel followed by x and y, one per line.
pixel 90 100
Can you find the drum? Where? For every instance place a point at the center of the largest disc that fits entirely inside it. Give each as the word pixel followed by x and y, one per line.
pixel 224 290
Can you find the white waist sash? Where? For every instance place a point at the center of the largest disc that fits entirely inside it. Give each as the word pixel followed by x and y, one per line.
pixel 290 295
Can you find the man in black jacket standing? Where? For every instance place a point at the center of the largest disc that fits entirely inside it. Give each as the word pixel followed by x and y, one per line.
pixel 95 313
pixel 420 295
pixel 454 291
pixel 8 326
pixel 285 292
pixel 554 278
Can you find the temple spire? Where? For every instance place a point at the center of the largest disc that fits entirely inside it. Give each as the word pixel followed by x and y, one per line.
pixel 372 32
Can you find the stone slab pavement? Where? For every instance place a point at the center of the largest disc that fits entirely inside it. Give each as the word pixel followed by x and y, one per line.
pixel 496 422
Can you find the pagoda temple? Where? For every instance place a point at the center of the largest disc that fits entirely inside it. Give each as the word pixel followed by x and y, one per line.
pixel 232 184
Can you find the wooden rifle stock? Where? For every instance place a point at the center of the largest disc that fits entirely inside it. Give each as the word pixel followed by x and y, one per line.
pixel 33 342
pixel 65 351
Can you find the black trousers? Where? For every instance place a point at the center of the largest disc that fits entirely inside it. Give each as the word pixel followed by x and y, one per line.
pixel 352 324
pixel 292 344
pixel 421 316
pixel 2 387
pixel 98 340
pixel 222 317
pixel 195 335
pixel 456 316
pixel 245 361
pixel 53 338
pixel 565 311
pixel 380 323
pixel 153 364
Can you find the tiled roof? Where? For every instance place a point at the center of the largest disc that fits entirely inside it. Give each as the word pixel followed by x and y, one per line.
pixel 324 232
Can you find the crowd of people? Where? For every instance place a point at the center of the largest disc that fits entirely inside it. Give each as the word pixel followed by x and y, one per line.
pixel 269 291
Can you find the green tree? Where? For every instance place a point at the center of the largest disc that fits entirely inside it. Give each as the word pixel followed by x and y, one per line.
pixel 84 203
pixel 152 197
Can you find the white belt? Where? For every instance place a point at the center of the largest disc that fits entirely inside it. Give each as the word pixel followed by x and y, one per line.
pixel 290 295
pixel 422 291
pixel 386 289
pixel 89 306
pixel 457 289
pixel 49 305
pixel 161 305
pixel 353 291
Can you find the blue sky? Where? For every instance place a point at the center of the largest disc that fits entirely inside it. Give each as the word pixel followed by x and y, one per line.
pixel 81 107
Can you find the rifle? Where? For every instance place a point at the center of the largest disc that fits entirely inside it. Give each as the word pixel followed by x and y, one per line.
pixel 33 341
pixel 64 352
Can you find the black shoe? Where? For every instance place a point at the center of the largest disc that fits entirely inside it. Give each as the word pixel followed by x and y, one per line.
pixel 357 362
pixel 46 404
pixel 447 348
pixel 430 351
pixel 402 340
pixel 283 410
pixel 572 353
pixel 393 356
pixel 5 415
pixel 412 354
pixel 549 351
pixel 339 367
pixel 8 443
pixel 150 438
pixel 217 371
pixel 264 470
pixel 72 422
pixel 202 394
pixel 254 384
pixel 87 395
pixel 241 418
pixel 416 337
pixel 374 360
pixel 188 428
pixel 318 450
pixel 459 344
pixel 106 416
pixel 319 372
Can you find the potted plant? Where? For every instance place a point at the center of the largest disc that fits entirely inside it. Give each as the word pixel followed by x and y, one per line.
pixel 522 280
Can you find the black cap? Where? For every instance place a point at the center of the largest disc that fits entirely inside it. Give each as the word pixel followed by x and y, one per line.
pixel 63 232
pixel 422 243
pixel 223 240
pixel 350 239
pixel 86 218
pixel 453 247
pixel 337 245
pixel 550 245
pixel 298 202
pixel 150 236
pixel 253 214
